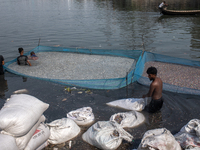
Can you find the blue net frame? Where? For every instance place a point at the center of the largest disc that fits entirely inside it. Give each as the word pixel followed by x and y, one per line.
pixel 134 74
pixel 114 83
pixel 148 56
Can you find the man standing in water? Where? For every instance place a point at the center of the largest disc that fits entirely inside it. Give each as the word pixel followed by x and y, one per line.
pixel 1 64
pixel 155 90
pixel 22 59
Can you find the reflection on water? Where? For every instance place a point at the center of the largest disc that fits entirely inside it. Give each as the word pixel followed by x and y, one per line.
pixel 112 24
pixel 24 79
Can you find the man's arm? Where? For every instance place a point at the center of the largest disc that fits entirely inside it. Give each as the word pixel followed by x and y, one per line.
pixel 18 60
pixel 150 93
pixel 2 60
pixel 29 63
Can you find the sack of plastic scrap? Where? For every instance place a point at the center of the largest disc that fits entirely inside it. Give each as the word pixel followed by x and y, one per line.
pixel 106 135
pixel 24 140
pixel 7 142
pixel 192 148
pixel 128 119
pixel 62 130
pixel 41 147
pixel 82 116
pixel 159 139
pixel 137 104
pixel 20 113
pixel 38 139
pixel 189 135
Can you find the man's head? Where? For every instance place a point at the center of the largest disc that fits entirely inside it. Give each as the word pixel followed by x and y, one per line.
pixel 20 50
pixel 32 53
pixel 152 72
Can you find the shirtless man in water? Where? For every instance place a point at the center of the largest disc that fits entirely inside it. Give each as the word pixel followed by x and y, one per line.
pixel 155 91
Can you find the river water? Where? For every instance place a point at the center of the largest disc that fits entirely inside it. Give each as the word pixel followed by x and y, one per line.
pixel 100 24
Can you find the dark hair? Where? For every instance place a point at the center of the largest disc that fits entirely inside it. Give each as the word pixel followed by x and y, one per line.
pixel 152 70
pixel 20 49
pixel 32 53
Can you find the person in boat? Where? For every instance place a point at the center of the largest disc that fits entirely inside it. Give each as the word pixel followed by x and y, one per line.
pixel 1 64
pixel 162 5
pixel 155 91
pixel 33 56
pixel 22 59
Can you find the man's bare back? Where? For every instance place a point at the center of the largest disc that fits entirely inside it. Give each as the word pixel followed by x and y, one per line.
pixel 157 86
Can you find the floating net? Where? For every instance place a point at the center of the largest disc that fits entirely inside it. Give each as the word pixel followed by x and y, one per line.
pixel 178 75
pixel 109 69
pixel 81 67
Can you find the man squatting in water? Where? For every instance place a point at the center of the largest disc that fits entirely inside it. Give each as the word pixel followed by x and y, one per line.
pixel 155 91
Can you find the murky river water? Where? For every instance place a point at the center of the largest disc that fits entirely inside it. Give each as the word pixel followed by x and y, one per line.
pixel 112 24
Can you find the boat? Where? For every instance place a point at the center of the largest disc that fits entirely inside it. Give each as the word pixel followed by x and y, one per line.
pixel 165 11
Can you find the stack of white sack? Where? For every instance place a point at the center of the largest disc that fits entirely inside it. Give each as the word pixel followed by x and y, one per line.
pixel 189 135
pixel 62 130
pixel 106 135
pixel 82 116
pixel 7 142
pixel 137 104
pixel 159 139
pixel 20 117
pixel 128 119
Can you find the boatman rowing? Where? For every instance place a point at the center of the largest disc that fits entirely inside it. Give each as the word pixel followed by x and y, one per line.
pixel 162 5
pixel 155 91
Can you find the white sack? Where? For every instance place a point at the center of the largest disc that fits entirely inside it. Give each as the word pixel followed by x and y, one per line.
pixel 20 113
pixel 62 130
pixel 23 141
pixel 7 142
pixel 137 104
pixel 106 135
pixel 42 146
pixel 128 119
pixel 40 136
pixel 159 139
pixel 189 135
pixel 82 116
pixel 195 148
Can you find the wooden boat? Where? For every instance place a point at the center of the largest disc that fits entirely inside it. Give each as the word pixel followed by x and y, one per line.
pixel 165 11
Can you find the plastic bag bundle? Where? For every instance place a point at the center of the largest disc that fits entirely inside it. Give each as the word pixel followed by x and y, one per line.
pixel 20 114
pixel 137 104
pixel 106 135
pixel 7 142
pixel 159 139
pixel 128 119
pixel 62 130
pixel 82 116
pixel 39 138
pixel 23 140
pixel 189 135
